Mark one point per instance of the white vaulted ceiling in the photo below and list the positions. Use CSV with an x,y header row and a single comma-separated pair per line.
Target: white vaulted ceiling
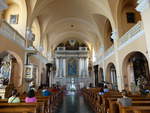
x,y
66,19
60,20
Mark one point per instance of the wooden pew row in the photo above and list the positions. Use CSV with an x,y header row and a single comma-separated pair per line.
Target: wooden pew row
x,y
35,107
100,104
47,104
18,110
135,108
114,107
42,104
97,103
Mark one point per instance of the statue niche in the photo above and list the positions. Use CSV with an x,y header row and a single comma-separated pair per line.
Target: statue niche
x,y
8,74
5,70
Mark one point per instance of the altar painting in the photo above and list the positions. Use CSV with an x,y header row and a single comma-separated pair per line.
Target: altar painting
x,y
72,67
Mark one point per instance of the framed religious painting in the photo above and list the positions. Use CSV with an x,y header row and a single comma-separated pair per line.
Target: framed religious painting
x,y
30,72
14,19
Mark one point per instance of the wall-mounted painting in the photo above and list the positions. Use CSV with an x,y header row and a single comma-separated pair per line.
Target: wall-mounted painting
x,y
14,19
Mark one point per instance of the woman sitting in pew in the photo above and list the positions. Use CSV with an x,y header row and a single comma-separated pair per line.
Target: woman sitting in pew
x,y
14,98
125,101
30,97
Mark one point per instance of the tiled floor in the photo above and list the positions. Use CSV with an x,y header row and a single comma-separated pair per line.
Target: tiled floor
x,y
74,103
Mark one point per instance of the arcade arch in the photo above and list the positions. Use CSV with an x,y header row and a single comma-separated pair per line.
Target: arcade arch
x,y
111,76
135,65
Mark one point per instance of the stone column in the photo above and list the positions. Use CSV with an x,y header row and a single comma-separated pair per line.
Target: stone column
x,y
83,67
80,67
120,82
57,67
61,68
64,65
144,8
87,74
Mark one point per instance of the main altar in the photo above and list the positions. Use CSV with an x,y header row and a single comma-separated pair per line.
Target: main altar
x,y
72,66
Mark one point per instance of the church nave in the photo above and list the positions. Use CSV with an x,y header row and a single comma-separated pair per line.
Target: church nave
x,y
74,103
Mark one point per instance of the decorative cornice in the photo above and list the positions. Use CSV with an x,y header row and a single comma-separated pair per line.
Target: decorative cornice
x,y
41,58
3,5
143,5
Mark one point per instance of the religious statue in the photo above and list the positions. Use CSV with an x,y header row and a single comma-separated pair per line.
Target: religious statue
x,y
141,83
5,70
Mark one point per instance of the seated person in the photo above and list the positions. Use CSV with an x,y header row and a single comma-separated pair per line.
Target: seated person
x,y
32,87
46,92
54,89
14,97
30,97
125,101
106,89
101,92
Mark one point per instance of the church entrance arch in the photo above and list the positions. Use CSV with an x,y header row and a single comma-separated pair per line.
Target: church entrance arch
x,y
135,67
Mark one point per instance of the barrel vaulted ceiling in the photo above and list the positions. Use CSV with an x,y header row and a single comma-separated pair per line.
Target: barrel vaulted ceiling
x,y
84,20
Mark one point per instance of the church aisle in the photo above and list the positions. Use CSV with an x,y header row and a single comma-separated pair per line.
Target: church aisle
x,y
74,103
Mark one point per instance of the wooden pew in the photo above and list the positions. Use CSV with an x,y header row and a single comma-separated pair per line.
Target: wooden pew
x,y
114,107
101,104
37,106
140,108
44,104
18,110
41,103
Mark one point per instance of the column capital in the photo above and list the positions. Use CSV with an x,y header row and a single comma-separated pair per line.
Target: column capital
x,y
114,35
3,5
143,5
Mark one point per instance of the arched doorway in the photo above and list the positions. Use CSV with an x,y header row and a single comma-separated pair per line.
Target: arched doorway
x,y
112,76
135,66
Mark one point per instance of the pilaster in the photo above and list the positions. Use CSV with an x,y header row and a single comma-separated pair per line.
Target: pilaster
x,y
144,8
115,38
